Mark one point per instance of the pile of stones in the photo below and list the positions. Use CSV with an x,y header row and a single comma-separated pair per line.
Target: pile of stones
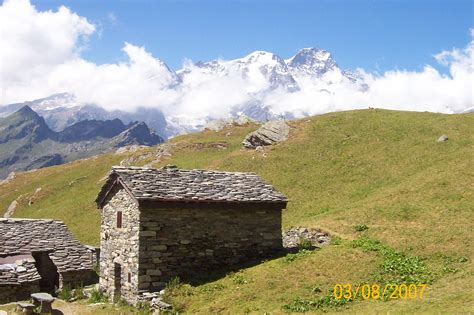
x,y
156,301
294,236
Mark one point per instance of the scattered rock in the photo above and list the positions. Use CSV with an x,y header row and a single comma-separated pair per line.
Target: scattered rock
x,y
11,209
443,138
30,199
9,178
163,150
219,124
157,303
270,133
130,149
243,120
293,236
76,180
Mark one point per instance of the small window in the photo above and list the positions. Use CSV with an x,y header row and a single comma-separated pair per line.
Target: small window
x,y
129,277
119,219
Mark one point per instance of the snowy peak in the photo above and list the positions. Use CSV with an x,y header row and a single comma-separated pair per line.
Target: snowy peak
x,y
60,100
262,58
311,62
260,71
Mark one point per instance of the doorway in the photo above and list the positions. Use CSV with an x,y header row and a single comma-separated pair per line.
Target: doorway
x,y
49,281
117,281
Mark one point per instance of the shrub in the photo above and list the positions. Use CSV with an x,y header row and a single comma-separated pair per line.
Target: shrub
x,y
304,243
174,283
98,296
78,293
65,293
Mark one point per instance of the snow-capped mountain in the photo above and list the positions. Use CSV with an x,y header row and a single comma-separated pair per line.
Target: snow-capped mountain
x,y
254,77
311,62
261,71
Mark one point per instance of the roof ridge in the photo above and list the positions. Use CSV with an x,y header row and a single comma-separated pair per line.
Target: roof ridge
x,y
191,185
167,168
30,219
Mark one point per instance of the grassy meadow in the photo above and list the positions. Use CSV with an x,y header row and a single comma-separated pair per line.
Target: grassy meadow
x,y
398,204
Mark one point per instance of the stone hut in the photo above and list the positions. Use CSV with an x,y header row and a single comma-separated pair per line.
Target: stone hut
x,y
162,223
41,255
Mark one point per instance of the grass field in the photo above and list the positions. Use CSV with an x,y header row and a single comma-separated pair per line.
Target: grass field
x,y
378,168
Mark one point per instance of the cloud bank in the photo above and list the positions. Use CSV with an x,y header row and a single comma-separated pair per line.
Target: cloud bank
x,y
40,54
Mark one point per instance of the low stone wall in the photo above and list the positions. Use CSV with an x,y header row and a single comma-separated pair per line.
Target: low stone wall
x,y
17,292
75,278
18,280
201,238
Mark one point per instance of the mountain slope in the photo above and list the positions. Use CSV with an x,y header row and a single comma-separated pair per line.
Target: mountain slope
x,y
380,168
26,142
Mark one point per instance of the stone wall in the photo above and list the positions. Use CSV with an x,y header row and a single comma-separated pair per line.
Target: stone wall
x,y
18,280
119,246
198,239
18,291
77,278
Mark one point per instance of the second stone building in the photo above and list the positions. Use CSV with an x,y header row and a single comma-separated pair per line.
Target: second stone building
x,y
162,223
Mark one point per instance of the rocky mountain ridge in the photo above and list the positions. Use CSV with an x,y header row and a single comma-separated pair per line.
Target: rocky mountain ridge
x,y
26,141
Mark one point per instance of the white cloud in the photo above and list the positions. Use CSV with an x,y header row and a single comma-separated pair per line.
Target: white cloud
x,y
40,54
35,42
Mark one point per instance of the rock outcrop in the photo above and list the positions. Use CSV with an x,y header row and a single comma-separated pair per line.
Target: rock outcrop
x,y
443,138
27,143
270,133
293,237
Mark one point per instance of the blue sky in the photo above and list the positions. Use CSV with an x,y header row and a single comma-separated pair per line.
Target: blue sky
x,y
374,35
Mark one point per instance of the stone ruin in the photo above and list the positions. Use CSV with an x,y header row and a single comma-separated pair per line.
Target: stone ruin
x,y
293,237
41,255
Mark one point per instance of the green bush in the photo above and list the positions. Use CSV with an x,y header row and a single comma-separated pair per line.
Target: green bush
x,y
304,243
174,283
98,296
65,293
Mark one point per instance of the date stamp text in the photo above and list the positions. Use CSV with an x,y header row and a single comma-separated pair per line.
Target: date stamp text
x,y
379,292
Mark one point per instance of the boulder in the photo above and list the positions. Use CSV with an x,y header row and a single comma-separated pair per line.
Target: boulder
x,y
11,209
442,138
268,134
218,124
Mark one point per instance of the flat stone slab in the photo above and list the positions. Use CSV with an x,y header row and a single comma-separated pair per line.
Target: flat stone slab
x,y
23,307
42,297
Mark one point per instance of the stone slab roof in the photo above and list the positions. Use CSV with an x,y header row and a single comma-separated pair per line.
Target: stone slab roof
x,y
172,184
25,236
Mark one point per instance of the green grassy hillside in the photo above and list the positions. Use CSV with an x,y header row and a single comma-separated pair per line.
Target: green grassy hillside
x,y
383,169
